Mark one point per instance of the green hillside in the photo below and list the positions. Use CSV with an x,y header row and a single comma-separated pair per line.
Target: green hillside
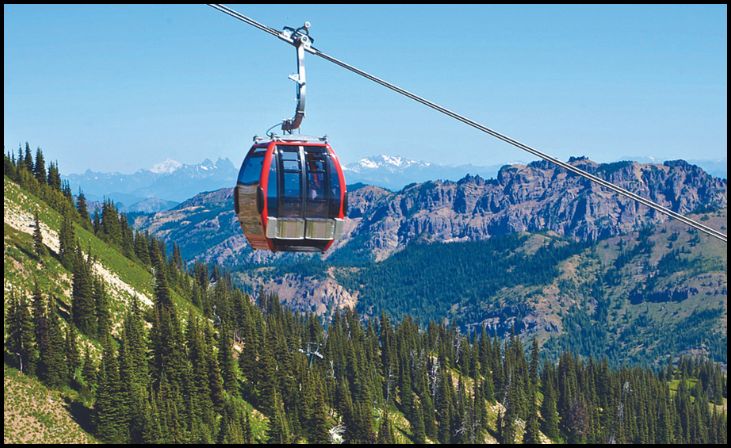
x,y
35,413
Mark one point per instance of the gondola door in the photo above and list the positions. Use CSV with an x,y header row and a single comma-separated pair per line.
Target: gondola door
x,y
291,219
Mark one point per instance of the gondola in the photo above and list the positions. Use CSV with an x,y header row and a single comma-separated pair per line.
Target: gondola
x,y
290,194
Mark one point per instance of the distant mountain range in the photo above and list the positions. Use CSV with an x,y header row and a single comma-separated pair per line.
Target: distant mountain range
x,y
714,167
159,188
170,182
395,172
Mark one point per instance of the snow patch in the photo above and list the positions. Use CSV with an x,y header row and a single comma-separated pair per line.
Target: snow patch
x,y
166,167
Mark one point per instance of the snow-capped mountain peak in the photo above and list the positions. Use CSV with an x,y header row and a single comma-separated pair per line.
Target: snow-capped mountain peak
x,y
384,161
167,166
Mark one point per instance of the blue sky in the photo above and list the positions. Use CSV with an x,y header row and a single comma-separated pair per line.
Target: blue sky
x,y
118,88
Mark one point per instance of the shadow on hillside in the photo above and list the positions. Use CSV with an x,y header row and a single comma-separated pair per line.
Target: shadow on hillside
x,y
81,415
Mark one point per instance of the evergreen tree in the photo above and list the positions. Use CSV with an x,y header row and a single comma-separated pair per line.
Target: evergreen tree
x,y
72,354
141,248
549,411
215,382
101,306
20,340
266,376
533,369
40,317
507,431
177,258
54,176
166,339
279,432
39,169
89,370
83,305
28,159
111,228
228,372
96,223
444,404
81,207
109,410
418,425
319,428
531,435
38,246
133,370
54,371
200,393
232,430
67,243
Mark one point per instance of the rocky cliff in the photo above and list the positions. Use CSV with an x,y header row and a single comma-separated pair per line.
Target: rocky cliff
x,y
535,197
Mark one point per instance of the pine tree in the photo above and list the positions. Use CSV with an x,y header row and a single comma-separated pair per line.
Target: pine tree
x,y
83,210
177,258
53,359
96,223
20,340
101,306
83,306
109,410
28,159
167,343
38,246
54,176
444,404
215,382
72,354
67,243
89,370
279,432
225,360
533,369
231,431
549,411
10,169
66,190
507,432
531,435
200,393
319,427
111,228
133,369
39,169
266,387
418,425
40,318
141,248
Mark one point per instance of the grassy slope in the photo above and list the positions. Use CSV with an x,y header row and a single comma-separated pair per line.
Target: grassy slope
x,y
34,414
18,201
27,401
634,332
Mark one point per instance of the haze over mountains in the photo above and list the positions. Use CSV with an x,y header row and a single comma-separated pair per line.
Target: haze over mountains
x,y
170,182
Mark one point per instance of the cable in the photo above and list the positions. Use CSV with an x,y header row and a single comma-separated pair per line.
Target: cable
x,y
653,205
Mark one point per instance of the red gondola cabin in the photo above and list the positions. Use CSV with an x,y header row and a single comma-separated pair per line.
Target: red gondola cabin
x,y
290,195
